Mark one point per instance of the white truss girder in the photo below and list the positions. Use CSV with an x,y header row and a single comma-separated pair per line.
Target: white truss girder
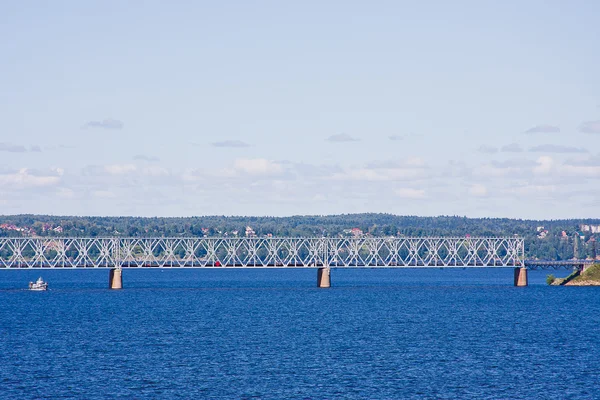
x,y
261,252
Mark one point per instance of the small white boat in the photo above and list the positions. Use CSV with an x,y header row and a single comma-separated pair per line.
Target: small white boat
x,y
38,285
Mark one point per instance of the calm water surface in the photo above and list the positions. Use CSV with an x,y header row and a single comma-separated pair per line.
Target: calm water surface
x,y
271,334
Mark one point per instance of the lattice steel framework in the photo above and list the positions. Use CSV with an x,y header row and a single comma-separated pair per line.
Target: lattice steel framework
x,y
565,264
261,252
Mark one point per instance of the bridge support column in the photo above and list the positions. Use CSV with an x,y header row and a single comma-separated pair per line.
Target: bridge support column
x,y
521,276
115,280
323,277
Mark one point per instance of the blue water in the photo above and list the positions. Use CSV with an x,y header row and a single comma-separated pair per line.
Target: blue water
x,y
271,334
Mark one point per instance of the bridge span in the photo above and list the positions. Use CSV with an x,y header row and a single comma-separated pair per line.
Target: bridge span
x,y
118,253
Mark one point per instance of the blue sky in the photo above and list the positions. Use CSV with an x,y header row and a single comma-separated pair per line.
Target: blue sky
x,y
282,108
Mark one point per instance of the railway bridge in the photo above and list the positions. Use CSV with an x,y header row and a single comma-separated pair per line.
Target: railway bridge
x,y
321,253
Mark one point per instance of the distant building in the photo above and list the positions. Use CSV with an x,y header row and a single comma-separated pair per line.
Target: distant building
x,y
250,232
356,232
590,228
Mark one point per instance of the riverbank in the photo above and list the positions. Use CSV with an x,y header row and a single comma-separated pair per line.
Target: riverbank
x,y
590,277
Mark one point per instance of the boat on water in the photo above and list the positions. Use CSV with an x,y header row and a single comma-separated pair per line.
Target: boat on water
x,y
38,285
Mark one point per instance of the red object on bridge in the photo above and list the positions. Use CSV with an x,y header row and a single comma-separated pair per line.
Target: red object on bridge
x,y
217,263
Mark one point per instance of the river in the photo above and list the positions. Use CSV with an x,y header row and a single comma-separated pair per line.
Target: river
x,y
256,333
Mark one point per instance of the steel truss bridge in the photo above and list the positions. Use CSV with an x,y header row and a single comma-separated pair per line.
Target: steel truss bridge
x,y
195,252
566,264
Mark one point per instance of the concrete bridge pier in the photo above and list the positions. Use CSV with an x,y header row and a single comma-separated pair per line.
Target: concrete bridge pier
x,y
115,280
323,277
521,276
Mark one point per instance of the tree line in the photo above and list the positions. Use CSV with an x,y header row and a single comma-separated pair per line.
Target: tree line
x,y
544,239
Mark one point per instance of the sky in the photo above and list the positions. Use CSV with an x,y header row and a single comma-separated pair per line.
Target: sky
x,y
183,108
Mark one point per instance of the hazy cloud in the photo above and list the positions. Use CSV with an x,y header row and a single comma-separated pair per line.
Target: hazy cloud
x,y
105,124
585,162
316,171
379,171
142,157
341,137
12,148
496,171
257,166
590,127
396,137
65,193
581,171
411,162
478,191
119,169
543,129
553,148
230,143
155,171
488,149
35,148
54,171
532,190
410,193
104,194
513,163
511,148
545,165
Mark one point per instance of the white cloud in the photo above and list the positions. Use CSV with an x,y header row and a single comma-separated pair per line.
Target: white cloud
x,y
27,178
496,171
65,193
478,190
120,169
589,171
410,193
257,166
409,169
528,190
58,171
545,165
379,174
155,171
414,162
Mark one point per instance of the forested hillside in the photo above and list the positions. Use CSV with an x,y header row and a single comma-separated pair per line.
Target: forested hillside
x,y
554,239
